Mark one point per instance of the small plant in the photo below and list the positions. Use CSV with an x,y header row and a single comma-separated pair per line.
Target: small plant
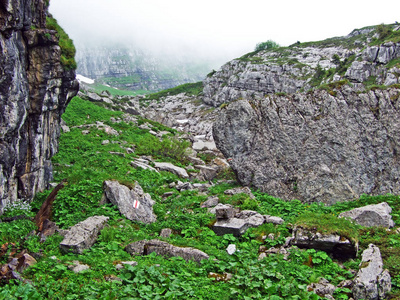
x,y
268,45
383,31
18,207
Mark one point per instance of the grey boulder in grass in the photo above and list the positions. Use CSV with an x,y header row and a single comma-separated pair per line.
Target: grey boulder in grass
x,y
133,203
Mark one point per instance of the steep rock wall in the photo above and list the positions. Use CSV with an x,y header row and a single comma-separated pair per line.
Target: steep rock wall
x,y
316,146
34,92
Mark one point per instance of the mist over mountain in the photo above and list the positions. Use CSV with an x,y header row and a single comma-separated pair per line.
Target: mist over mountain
x,y
195,38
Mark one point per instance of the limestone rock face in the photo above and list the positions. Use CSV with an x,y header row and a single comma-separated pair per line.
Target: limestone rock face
x,y
267,72
371,215
34,92
315,146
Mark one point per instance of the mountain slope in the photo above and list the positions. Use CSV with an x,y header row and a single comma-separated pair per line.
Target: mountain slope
x,y
131,68
364,57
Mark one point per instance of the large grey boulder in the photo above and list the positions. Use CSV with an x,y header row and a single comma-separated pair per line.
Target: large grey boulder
x,y
125,199
83,235
163,166
146,247
314,146
335,244
371,215
372,282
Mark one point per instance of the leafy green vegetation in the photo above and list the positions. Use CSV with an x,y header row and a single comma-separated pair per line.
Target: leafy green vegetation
x,y
85,163
66,44
270,44
98,88
188,88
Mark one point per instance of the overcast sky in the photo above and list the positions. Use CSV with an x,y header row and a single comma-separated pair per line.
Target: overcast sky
x,y
223,28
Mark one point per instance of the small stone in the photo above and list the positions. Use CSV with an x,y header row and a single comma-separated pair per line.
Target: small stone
x,y
224,212
231,249
211,202
166,232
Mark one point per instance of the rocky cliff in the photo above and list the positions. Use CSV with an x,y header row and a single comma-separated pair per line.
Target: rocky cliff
x,y
131,68
358,57
35,89
314,121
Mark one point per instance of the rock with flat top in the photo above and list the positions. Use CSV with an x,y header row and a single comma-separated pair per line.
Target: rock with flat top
x,y
83,235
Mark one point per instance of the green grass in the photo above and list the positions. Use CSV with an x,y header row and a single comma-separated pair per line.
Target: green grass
x,y
85,163
98,88
66,44
188,88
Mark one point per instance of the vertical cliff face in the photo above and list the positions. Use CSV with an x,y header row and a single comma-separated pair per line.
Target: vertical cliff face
x,y
316,147
34,92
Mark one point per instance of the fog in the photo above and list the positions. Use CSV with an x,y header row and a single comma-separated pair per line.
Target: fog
x,y
217,29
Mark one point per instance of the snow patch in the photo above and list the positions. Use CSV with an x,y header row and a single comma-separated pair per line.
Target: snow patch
x,y
84,79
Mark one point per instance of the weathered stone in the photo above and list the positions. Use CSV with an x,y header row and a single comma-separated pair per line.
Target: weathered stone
x,y
171,168
273,220
234,226
25,261
231,249
208,173
166,232
195,160
94,97
124,198
138,164
213,210
253,218
83,235
337,245
371,281
77,267
203,145
184,186
237,225
165,249
314,146
239,190
224,212
322,288
371,215
202,187
211,202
